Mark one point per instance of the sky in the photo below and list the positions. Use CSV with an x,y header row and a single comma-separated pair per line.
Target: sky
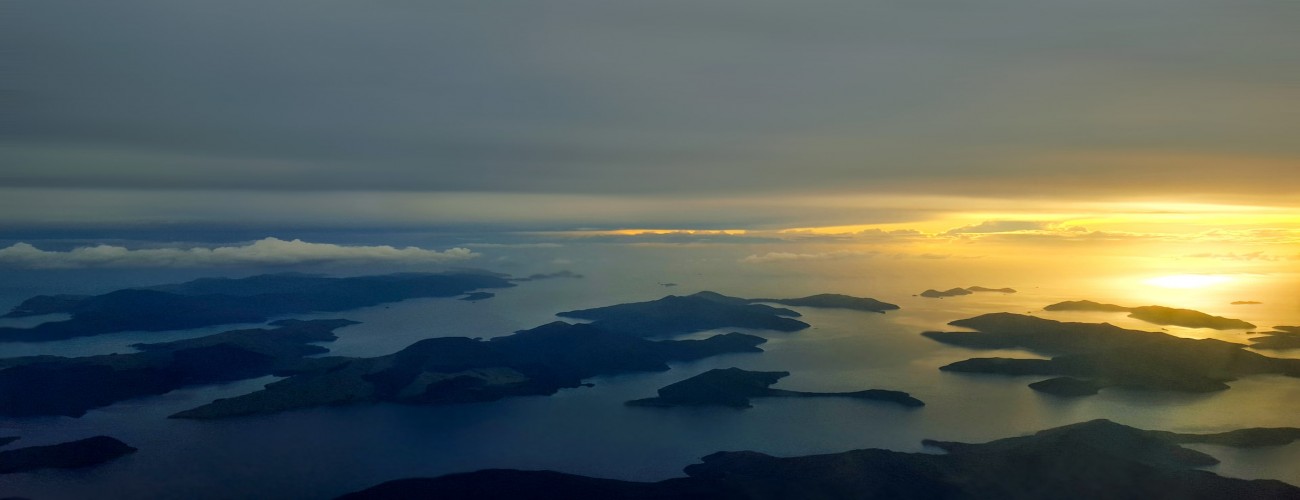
x,y
244,123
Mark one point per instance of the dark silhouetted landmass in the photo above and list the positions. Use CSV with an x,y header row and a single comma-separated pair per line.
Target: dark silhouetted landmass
x,y
539,361
734,387
217,301
1085,461
81,453
53,385
675,315
477,296
1284,337
1085,305
1241,438
1159,315
951,292
1186,317
1067,386
957,292
985,289
1105,355
834,301
4,440
1245,302
41,305
546,276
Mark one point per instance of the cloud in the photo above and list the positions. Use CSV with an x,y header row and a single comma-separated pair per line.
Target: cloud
x,y
771,257
1001,226
1261,256
268,251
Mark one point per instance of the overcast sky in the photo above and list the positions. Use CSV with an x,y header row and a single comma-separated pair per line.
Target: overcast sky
x,y
602,113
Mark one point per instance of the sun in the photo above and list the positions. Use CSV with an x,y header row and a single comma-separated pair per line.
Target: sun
x,y
1187,280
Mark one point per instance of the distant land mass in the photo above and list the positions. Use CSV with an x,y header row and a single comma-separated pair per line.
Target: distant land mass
x,y
834,301
74,454
1284,337
1245,302
546,276
734,387
951,292
539,361
675,315
956,292
218,301
1159,315
1095,356
1084,461
54,385
477,296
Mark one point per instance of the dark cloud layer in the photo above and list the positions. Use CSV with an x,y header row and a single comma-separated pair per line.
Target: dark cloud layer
x,y
657,99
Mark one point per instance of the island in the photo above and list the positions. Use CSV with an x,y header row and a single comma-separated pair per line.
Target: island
x,y
734,387
1159,315
218,301
1094,356
74,454
676,315
1084,461
957,292
477,296
951,292
834,301
546,276
1283,337
448,370
54,385
1245,302
986,289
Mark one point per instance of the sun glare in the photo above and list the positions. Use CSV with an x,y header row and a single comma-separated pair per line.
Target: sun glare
x,y
1187,280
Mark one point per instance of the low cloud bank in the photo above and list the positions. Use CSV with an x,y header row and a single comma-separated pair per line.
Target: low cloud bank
x,y
791,257
267,251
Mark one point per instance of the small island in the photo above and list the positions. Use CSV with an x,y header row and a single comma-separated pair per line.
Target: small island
x,y
219,301
957,292
1159,315
75,454
1084,461
734,387
477,296
450,370
1089,356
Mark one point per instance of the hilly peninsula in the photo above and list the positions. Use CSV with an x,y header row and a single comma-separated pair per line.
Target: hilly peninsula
x,y
1159,315
73,454
449,370
218,301
1089,356
1085,461
734,387
54,385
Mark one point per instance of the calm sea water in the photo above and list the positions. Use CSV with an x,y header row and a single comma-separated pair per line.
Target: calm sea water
x,y
320,453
